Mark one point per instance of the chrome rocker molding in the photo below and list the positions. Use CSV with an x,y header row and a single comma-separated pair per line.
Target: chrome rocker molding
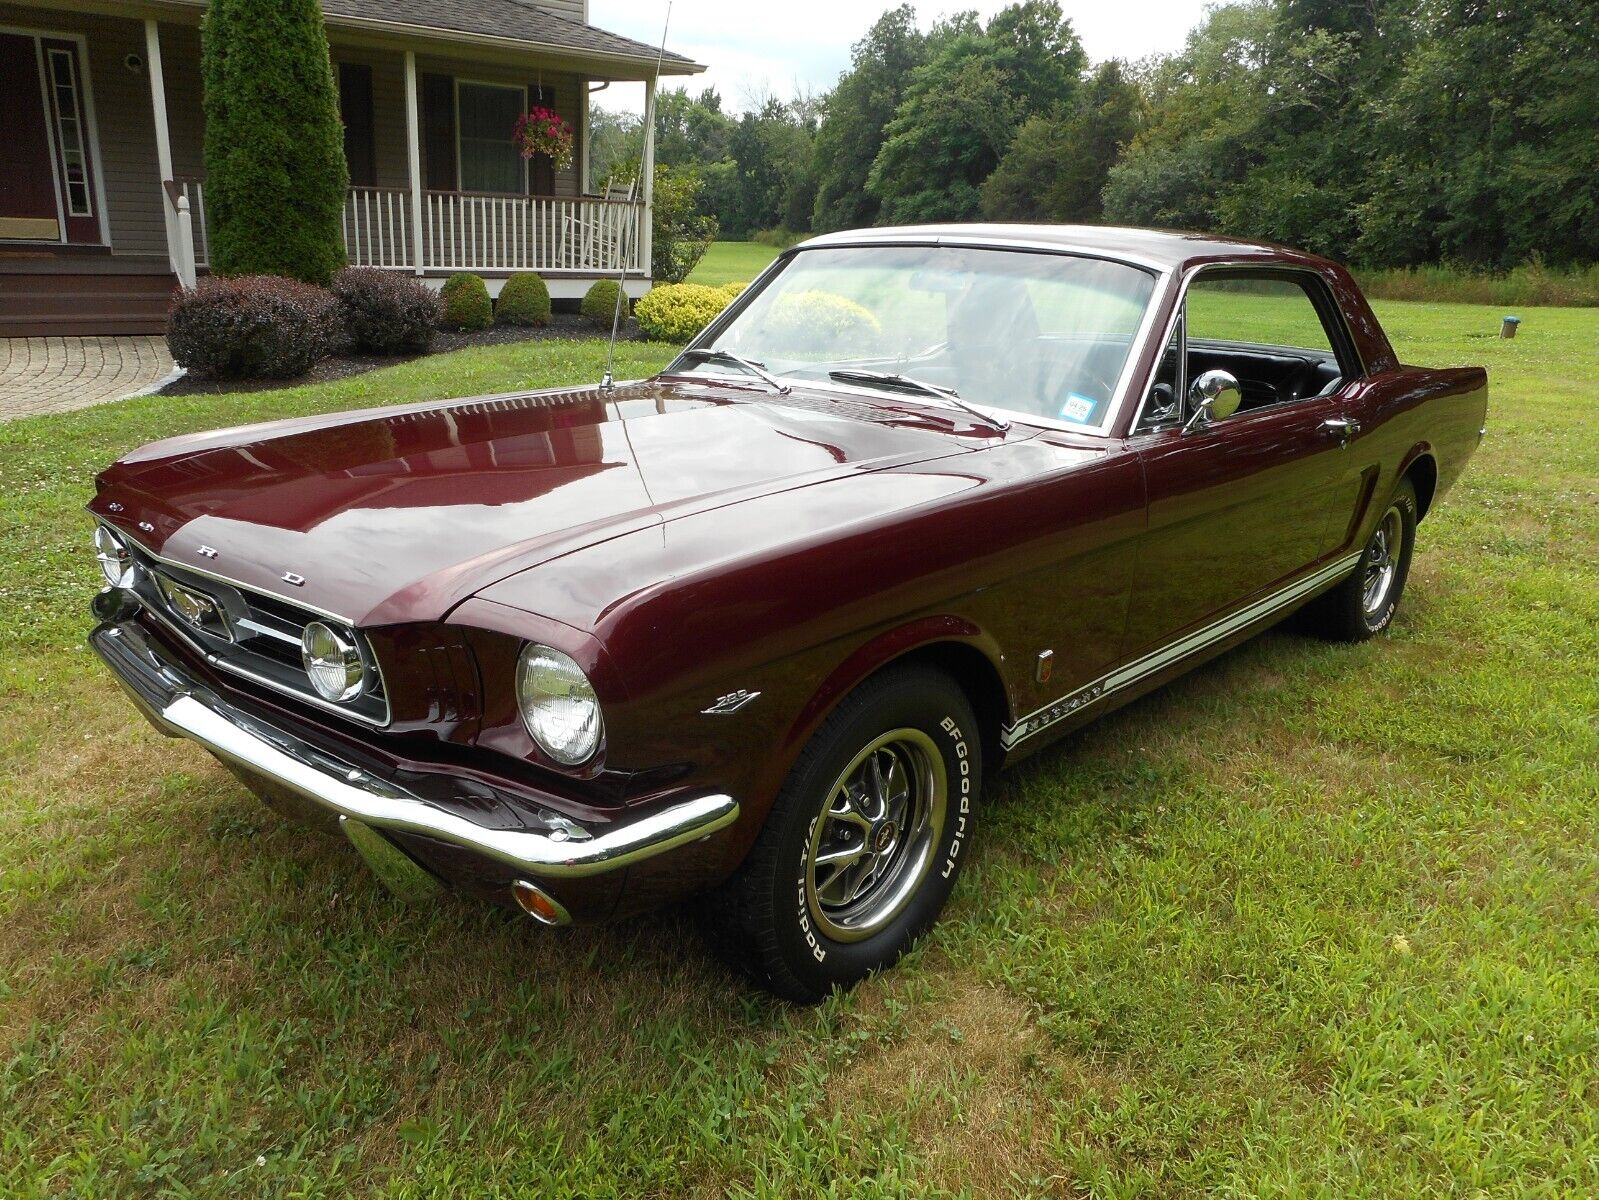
x,y
181,707
1158,660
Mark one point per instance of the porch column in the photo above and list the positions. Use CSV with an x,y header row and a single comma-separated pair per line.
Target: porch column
x,y
180,235
413,155
647,234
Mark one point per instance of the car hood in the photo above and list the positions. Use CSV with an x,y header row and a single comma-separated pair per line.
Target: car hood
x,y
399,514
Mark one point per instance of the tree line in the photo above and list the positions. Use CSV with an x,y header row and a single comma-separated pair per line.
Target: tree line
x,y
1388,133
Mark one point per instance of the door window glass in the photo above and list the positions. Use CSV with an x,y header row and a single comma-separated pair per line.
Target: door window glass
x,y
1255,312
1266,332
70,134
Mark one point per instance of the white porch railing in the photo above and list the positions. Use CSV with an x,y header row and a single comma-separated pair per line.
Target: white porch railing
x,y
472,232
377,227
468,232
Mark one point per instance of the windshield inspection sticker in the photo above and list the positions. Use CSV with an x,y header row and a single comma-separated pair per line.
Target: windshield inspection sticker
x,y
1078,408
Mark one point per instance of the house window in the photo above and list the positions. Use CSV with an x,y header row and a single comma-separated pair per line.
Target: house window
x,y
486,116
69,132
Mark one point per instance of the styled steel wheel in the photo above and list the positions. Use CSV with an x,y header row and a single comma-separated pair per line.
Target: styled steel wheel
x,y
1381,564
1363,605
874,841
864,842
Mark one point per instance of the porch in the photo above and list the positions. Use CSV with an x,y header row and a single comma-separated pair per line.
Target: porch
x,y
571,241
104,190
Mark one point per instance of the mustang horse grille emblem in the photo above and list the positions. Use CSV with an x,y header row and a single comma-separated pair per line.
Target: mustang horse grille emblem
x,y
729,704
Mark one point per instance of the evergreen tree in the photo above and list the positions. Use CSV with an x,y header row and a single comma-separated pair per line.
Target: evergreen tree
x,y
276,177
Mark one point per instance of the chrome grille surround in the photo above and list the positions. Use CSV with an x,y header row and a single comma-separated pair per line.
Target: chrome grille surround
x,y
266,630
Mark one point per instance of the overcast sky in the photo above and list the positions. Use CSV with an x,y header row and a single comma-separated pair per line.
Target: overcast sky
x,y
757,46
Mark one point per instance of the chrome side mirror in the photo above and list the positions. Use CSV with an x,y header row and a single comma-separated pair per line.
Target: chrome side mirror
x,y
1215,396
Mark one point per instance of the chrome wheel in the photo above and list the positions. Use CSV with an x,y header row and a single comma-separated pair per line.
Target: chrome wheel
x,y
873,843
1381,564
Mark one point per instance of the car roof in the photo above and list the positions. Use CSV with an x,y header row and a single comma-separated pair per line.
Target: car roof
x,y
1163,249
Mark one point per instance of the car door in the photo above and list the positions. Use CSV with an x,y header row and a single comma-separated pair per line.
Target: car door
x,y
1240,506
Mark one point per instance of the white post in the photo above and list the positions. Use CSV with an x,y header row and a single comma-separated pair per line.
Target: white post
x,y
187,275
413,148
647,234
163,140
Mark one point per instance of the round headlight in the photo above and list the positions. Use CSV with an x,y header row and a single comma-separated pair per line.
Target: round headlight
x,y
116,561
333,662
558,705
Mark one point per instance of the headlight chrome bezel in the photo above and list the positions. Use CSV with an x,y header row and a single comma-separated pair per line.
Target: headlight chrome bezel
x,y
116,559
333,662
547,680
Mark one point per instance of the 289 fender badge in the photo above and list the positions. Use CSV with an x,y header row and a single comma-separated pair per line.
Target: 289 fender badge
x,y
730,703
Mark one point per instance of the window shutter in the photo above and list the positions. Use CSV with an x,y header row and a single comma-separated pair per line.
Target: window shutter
x,y
541,168
438,132
356,110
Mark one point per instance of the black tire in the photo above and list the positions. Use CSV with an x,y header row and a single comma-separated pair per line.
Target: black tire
x,y
1351,612
791,923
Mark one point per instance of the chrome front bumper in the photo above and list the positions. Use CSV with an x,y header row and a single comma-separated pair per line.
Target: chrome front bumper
x,y
180,706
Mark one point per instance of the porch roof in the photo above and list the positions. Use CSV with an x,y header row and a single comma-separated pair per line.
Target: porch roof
x,y
502,24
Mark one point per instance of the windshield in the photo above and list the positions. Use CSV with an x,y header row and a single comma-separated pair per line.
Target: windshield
x,y
1043,335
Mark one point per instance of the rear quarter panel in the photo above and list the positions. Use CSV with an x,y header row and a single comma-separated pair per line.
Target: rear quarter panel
x,y
1409,413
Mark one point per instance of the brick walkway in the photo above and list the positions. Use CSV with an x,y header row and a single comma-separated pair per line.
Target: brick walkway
x,y
58,374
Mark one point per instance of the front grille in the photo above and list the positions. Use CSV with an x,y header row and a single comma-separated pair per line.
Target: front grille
x,y
252,635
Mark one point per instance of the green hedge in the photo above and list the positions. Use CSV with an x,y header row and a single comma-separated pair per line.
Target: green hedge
x,y
525,300
467,306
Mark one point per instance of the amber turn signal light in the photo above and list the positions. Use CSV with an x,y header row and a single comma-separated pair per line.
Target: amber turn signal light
x,y
539,904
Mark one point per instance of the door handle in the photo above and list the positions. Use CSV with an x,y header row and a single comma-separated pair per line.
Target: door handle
x,y
1341,428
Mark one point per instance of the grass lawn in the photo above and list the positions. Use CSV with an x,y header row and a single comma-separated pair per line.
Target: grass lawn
x,y
1315,921
732,262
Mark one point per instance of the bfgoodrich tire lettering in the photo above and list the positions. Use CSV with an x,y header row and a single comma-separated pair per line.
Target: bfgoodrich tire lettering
x,y
865,841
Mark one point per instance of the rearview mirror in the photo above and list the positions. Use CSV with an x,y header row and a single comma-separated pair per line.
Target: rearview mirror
x,y
1215,396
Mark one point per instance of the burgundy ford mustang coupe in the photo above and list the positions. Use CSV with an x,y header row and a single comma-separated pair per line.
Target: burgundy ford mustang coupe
x,y
919,503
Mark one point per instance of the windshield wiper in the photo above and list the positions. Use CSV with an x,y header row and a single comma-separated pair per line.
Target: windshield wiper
x,y
918,385
749,364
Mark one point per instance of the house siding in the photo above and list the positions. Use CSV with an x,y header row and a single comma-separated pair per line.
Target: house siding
x,y
577,10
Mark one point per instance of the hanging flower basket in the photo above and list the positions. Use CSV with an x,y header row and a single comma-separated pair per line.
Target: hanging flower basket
x,y
542,131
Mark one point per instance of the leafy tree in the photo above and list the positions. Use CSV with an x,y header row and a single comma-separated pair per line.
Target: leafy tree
x,y
1056,167
275,170
856,114
681,233
964,105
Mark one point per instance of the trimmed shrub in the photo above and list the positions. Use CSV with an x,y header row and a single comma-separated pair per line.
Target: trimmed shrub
x,y
525,300
386,313
599,303
809,323
466,303
678,311
253,327
274,144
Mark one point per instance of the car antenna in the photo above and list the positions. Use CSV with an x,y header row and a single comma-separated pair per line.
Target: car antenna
x,y
608,383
